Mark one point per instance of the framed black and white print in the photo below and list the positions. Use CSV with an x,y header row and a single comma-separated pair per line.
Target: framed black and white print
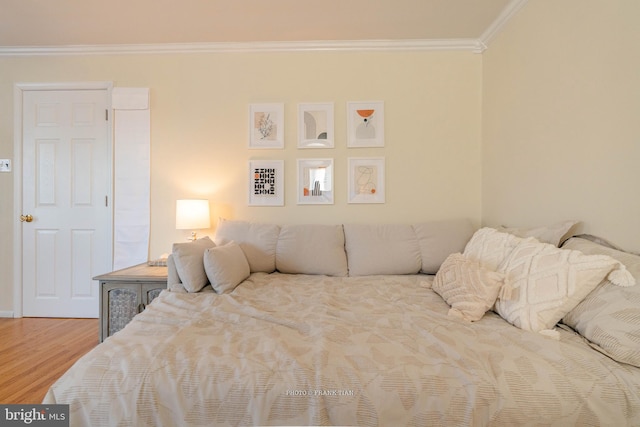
x,y
315,125
365,124
266,126
266,183
366,180
315,181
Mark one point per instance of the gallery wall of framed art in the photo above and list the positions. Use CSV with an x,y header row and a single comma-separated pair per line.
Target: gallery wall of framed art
x,y
314,183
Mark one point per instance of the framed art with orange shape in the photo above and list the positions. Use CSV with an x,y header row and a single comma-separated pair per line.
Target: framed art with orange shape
x,y
365,124
266,183
315,182
366,180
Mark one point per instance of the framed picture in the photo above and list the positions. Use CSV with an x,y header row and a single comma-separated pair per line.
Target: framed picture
x,y
266,126
366,180
315,181
266,183
315,125
365,124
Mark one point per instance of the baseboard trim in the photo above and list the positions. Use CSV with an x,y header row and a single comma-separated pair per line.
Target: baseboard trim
x,y
6,313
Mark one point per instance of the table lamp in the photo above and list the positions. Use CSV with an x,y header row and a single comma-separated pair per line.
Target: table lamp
x,y
192,214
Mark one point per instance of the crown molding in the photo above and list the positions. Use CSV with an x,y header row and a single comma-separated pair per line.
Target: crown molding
x,y
472,45
507,13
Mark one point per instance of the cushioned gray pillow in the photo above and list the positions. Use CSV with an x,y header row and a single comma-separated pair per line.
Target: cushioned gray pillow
x,y
439,239
189,264
553,234
311,249
381,249
226,267
258,242
609,317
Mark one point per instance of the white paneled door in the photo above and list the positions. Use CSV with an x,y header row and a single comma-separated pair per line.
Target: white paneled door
x,y
66,214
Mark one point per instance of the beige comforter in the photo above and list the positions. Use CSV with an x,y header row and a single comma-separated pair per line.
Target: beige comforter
x,y
294,349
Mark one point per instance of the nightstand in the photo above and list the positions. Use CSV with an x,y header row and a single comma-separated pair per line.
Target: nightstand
x,y
125,293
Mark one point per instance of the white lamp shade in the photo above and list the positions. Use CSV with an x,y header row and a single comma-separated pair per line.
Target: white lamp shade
x,y
192,214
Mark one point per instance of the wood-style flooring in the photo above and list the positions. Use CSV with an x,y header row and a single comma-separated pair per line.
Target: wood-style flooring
x,y
35,352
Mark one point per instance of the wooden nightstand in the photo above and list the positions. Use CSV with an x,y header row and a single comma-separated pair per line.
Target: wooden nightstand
x,y
125,293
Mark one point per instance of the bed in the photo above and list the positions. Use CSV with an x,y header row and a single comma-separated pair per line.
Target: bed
x,y
368,336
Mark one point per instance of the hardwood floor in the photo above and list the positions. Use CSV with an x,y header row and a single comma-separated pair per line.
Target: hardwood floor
x,y
35,352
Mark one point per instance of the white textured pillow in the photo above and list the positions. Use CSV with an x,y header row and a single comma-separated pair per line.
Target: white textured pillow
x,y
226,267
548,282
470,289
609,316
189,265
258,242
311,249
439,239
490,247
553,234
381,249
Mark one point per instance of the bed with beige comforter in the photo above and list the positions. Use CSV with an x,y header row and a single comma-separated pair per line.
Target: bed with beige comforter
x,y
287,349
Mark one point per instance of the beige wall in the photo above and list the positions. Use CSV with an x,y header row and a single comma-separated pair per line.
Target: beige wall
x,y
555,101
199,113
561,118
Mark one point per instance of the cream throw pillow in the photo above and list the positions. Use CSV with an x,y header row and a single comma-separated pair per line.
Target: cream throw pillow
x,y
547,282
226,267
470,289
490,247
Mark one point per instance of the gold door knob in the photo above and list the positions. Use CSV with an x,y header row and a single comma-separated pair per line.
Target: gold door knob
x,y
26,218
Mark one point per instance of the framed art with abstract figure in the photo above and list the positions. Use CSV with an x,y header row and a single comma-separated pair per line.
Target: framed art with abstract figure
x,y
266,126
366,180
315,125
315,181
266,183
365,124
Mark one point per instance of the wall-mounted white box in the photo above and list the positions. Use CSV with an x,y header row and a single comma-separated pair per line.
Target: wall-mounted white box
x,y
5,165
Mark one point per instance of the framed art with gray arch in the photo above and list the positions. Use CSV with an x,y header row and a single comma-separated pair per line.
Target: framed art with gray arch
x,y
315,125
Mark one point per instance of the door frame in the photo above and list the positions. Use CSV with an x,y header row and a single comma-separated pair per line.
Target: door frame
x,y
18,91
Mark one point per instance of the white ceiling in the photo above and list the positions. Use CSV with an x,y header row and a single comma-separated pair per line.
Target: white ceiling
x,y
57,23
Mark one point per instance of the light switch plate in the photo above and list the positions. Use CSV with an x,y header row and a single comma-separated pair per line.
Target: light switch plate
x,y
5,165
